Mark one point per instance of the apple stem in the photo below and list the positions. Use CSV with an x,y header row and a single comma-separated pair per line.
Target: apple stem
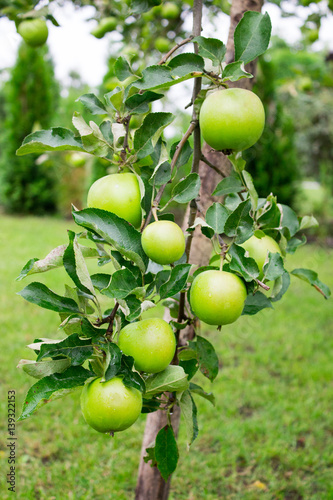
x,y
155,213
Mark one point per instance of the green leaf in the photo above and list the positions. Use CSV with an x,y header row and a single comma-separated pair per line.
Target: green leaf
x,y
239,224
166,452
228,185
76,267
43,368
270,217
274,267
122,69
211,48
289,221
92,104
159,77
196,389
187,189
89,331
53,260
216,217
252,190
139,103
172,379
280,287
52,387
177,281
311,277
294,243
207,358
114,366
123,283
245,266
116,231
189,412
255,303
186,63
308,221
206,229
72,347
162,175
130,377
235,71
184,155
39,294
100,280
146,137
252,35
55,139
150,456
92,138
190,367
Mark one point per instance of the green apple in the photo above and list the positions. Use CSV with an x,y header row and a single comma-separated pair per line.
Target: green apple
x,y
217,297
232,119
104,26
33,31
162,44
163,241
110,406
170,10
119,194
151,342
258,249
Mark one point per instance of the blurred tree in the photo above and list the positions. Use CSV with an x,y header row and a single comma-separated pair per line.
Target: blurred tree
x,y
28,186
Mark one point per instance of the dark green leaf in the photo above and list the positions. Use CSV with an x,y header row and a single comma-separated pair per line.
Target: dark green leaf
x,y
75,265
122,69
255,303
116,231
92,104
311,277
252,190
280,287
55,139
89,331
235,71
289,221
139,103
252,35
172,379
190,367
52,387
130,378
216,217
39,294
72,347
150,455
196,389
176,282
228,185
246,266
187,189
162,174
189,412
166,452
114,363
294,243
211,48
271,216
239,223
123,282
207,358
147,135
184,156
274,267
185,63
100,280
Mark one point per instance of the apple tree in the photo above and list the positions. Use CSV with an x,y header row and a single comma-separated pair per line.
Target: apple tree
x,y
126,365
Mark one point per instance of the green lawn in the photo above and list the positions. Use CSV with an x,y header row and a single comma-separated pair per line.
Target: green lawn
x,y
269,436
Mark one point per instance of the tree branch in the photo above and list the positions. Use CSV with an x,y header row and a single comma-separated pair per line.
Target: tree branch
x,y
176,47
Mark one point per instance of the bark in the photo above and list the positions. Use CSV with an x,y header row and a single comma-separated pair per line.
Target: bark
x,y
150,485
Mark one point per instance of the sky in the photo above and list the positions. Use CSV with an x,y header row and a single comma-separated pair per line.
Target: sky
x,y
74,48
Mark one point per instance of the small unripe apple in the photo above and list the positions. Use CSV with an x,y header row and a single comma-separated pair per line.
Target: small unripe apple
x,y
163,241
151,342
217,297
110,406
162,44
170,10
232,119
33,31
104,26
119,194
258,249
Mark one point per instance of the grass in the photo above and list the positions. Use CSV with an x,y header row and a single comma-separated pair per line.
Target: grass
x,y
269,436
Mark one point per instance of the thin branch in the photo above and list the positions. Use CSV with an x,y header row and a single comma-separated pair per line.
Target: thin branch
x,y
265,287
176,47
217,170
109,319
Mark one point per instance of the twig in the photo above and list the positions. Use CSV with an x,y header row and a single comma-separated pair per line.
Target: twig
x,y
109,319
260,283
205,160
176,47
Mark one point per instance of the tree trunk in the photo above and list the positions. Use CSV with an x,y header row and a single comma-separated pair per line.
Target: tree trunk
x,y
150,485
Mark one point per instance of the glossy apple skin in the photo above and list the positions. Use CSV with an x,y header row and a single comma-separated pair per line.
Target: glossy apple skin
x,y
217,297
232,119
119,194
33,31
110,406
151,342
163,241
258,249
